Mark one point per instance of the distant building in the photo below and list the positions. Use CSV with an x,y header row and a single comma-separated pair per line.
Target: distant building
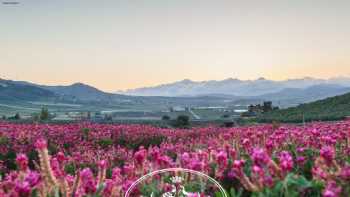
x,y
254,110
267,106
62,117
177,109
79,115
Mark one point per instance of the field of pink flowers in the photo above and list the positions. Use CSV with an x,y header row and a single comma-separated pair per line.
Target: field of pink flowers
x,y
88,159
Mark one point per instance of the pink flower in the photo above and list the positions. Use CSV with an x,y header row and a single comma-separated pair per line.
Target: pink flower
x,y
221,159
286,161
257,170
23,188
56,167
140,156
332,190
260,157
268,181
327,153
88,181
238,167
102,164
33,178
301,160
193,195
318,172
116,175
233,154
40,144
245,142
238,164
61,157
22,162
345,173
196,165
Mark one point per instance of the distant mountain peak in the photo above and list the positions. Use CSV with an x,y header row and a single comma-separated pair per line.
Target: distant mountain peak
x,y
261,79
231,79
80,84
186,81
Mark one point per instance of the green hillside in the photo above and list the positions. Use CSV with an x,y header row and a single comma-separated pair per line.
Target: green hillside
x,y
10,91
333,108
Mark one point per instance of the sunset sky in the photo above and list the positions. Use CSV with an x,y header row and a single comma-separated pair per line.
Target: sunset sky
x,y
117,45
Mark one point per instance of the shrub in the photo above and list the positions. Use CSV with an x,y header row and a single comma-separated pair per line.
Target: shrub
x,y
182,121
44,114
105,143
165,117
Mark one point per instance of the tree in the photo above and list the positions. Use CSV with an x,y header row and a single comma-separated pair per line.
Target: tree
x,y
182,121
229,124
17,116
44,114
165,117
4,117
225,116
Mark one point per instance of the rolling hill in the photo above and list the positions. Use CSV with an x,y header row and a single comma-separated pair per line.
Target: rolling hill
x,y
83,92
333,108
10,91
294,96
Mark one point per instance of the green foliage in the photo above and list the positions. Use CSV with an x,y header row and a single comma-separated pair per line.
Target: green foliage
x,y
70,168
105,143
229,124
4,140
15,117
225,116
32,157
67,145
44,114
165,117
85,132
330,109
143,140
182,121
9,160
293,186
35,193
234,193
52,147
148,189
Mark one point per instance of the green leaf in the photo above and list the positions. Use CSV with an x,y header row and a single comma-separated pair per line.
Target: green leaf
x,y
34,193
99,189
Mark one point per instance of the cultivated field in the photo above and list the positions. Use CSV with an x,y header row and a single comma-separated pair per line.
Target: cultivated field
x,y
104,160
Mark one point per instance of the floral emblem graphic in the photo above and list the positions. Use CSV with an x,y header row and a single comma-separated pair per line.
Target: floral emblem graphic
x,y
175,182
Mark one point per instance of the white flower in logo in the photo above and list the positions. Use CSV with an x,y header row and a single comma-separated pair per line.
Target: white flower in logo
x,y
177,184
176,179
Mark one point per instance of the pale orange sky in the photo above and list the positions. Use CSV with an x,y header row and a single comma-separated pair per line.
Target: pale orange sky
x,y
126,44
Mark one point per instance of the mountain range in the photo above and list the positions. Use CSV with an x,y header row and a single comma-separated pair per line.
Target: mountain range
x,y
237,87
227,92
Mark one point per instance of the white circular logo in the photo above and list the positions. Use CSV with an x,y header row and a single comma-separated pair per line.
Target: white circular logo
x,y
175,182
